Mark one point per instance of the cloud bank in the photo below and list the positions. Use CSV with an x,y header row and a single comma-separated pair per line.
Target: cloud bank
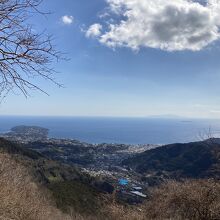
x,y
67,19
170,25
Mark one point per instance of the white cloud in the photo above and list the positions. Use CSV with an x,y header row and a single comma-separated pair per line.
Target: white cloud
x,y
171,25
67,19
94,30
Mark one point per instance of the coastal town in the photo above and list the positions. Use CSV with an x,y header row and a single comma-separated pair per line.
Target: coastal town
x,y
98,160
95,157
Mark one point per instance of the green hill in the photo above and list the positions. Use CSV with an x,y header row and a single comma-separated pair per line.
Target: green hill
x,y
190,160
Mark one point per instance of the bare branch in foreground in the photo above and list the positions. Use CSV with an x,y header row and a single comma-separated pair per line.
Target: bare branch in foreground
x,y
24,54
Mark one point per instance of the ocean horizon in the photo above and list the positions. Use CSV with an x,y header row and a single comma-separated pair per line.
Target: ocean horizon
x,y
119,130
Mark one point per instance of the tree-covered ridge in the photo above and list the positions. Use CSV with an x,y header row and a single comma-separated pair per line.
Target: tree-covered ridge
x,y
190,160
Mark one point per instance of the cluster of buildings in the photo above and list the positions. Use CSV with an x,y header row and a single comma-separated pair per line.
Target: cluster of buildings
x,y
130,191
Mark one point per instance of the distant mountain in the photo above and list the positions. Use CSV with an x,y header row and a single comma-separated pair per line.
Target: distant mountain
x,y
167,116
190,160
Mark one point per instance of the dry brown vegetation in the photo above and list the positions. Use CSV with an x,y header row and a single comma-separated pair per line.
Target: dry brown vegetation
x,y
23,199
119,212
191,199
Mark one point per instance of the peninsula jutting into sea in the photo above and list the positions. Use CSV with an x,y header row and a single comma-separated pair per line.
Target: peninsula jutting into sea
x,y
103,160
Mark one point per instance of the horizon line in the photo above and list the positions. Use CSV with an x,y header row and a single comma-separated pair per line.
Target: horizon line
x,y
109,116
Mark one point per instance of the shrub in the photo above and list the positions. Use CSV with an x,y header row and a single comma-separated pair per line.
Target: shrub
x,y
191,199
21,197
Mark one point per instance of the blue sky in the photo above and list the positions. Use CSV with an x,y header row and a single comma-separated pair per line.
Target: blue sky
x,y
125,74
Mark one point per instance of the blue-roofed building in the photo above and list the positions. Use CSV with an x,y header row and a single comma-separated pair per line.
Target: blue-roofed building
x,y
123,182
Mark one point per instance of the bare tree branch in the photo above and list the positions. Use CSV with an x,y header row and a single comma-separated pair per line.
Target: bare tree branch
x,y
24,54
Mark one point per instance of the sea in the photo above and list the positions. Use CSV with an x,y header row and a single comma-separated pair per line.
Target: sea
x,y
120,130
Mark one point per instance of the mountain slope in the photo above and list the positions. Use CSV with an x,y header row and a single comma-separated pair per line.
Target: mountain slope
x,y
21,197
191,160
69,186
